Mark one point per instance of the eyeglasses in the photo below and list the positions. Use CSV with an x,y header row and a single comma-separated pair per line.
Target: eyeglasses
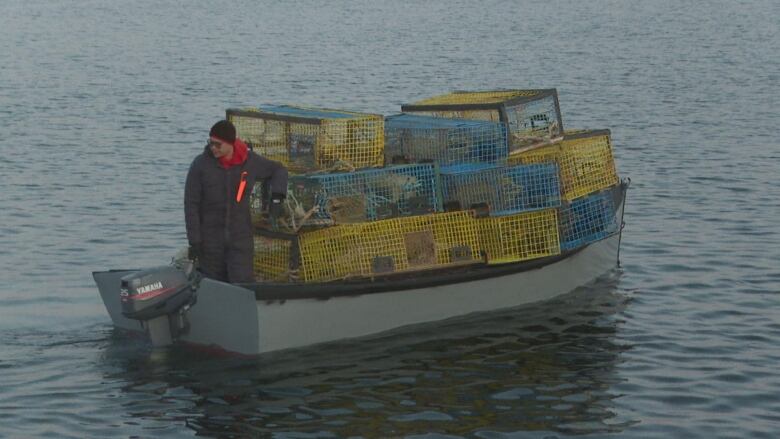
x,y
213,143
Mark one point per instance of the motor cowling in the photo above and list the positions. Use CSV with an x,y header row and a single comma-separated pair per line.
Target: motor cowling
x,y
155,292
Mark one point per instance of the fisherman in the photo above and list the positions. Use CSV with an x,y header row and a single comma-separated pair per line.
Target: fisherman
x,y
216,204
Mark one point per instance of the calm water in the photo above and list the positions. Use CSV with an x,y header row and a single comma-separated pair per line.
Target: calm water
x,y
103,104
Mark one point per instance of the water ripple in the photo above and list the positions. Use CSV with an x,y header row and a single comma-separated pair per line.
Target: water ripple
x,y
680,344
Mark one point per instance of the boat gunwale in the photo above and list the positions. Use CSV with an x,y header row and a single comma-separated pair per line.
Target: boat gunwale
x,y
265,291
276,291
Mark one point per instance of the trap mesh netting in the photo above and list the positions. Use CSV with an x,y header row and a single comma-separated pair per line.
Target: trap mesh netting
x,y
419,139
532,116
366,195
309,139
504,189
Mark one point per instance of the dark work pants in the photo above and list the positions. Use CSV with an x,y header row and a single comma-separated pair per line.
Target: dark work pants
x,y
229,264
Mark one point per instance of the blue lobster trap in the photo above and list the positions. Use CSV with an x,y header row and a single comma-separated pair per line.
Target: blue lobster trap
x,y
502,190
587,219
419,139
533,117
367,195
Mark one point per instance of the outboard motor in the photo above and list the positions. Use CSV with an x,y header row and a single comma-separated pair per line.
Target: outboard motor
x,y
159,297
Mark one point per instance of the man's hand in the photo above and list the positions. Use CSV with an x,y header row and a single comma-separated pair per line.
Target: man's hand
x,y
194,252
276,208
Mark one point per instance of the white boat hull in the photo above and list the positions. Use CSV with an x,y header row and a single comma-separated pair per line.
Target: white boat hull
x,y
301,322
231,318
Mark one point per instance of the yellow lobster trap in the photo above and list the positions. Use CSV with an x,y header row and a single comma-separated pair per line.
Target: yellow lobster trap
x,y
519,237
329,254
274,257
532,116
405,244
584,158
310,139
389,246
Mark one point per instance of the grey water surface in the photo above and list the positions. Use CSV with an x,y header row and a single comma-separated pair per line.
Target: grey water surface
x,y
104,103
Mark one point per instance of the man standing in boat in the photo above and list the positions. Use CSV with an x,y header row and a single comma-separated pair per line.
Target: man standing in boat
x,y
216,203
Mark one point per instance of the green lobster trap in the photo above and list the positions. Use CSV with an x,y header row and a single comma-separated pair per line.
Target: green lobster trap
x,y
309,139
365,195
584,158
275,258
532,117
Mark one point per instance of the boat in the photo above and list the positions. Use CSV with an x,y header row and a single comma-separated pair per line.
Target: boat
x,y
468,202
262,317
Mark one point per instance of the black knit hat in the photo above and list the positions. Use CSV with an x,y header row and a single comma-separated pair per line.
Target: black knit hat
x,y
224,130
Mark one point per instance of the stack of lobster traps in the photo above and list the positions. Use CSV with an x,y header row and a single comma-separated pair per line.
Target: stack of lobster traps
x,y
455,180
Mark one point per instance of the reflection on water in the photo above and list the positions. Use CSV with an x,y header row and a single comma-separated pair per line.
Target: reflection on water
x,y
549,367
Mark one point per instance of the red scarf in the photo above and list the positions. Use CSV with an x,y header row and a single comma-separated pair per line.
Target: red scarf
x,y
240,153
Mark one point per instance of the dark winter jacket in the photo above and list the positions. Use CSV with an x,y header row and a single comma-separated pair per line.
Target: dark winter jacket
x,y
215,221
